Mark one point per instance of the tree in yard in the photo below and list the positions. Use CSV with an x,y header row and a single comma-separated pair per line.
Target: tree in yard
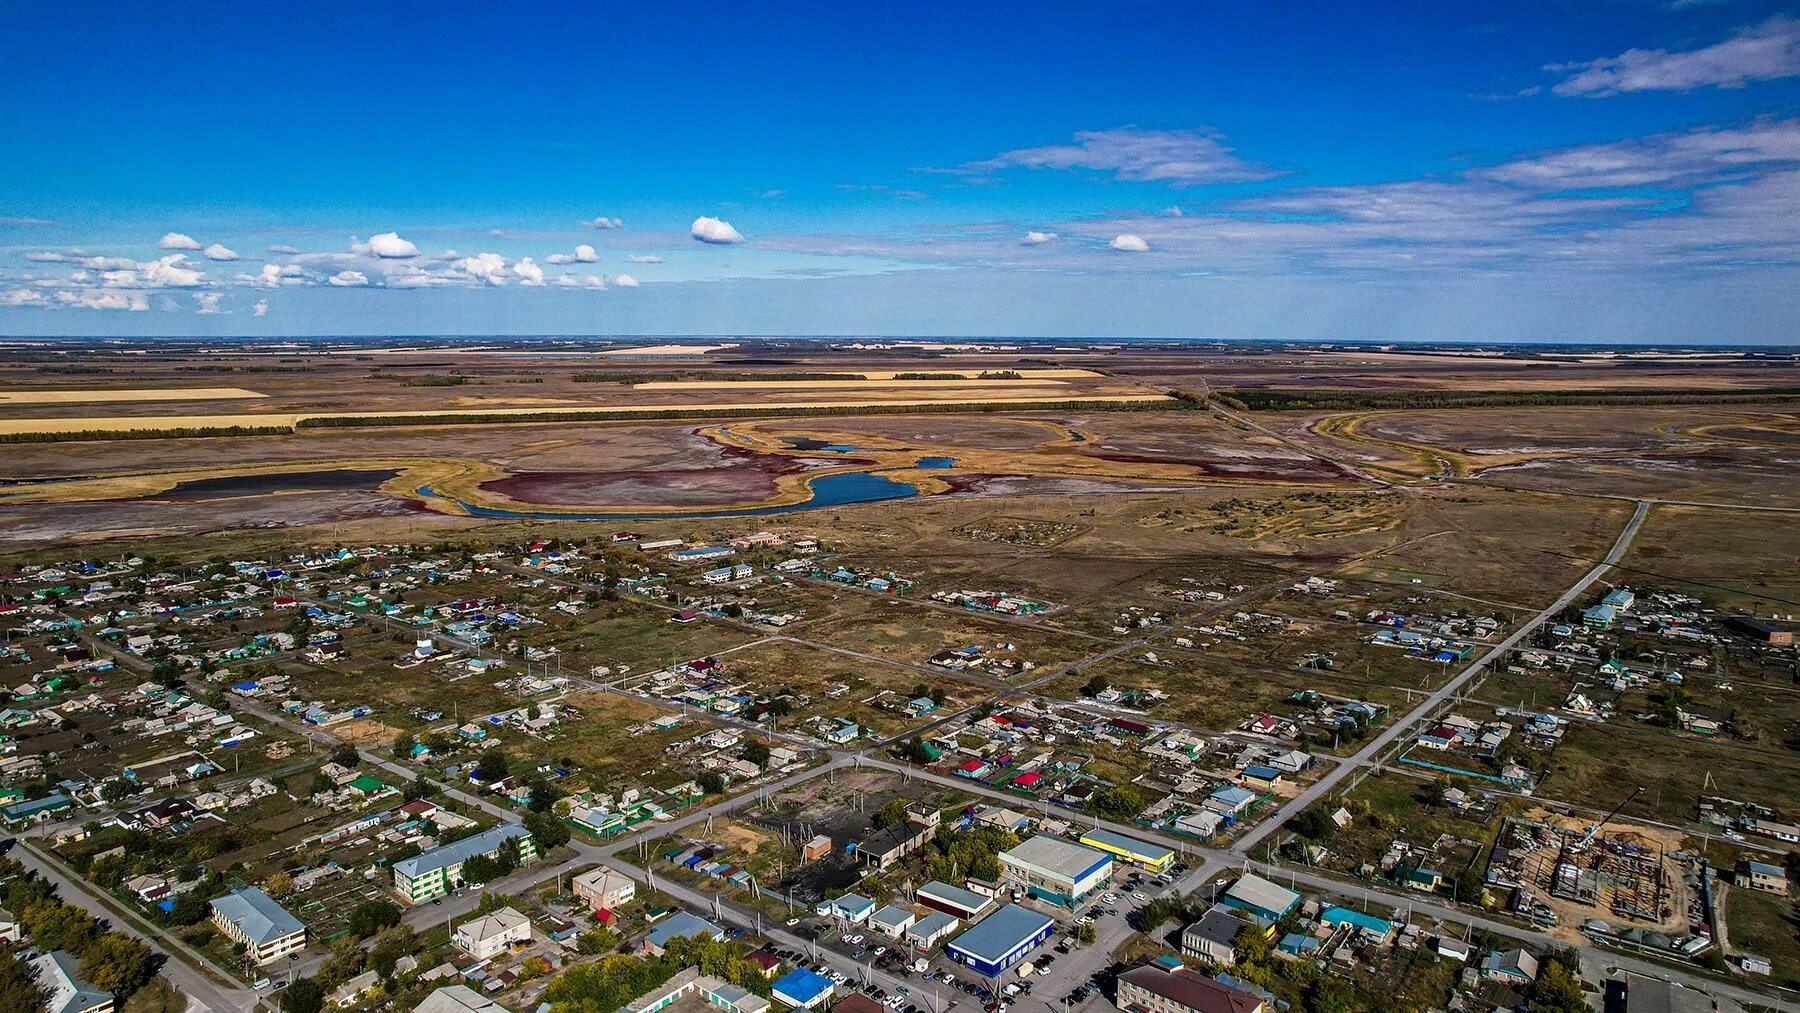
x,y
492,766
1119,803
1084,933
117,789
303,996
54,925
19,987
392,944
118,963
756,752
712,782
279,884
890,815
1314,824
480,869
371,916
345,756
593,942
1096,685
403,744
546,830
985,867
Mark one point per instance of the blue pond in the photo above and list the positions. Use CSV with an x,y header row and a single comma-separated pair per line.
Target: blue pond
x,y
933,463
827,491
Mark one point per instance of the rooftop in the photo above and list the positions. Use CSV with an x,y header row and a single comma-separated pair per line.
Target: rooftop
x,y
1000,933
257,914
459,852
1256,892
1056,855
1192,990
458,999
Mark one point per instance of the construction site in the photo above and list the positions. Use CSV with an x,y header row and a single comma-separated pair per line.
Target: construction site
x,y
1560,872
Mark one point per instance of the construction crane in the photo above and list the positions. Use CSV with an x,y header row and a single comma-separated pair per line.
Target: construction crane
x,y
1594,830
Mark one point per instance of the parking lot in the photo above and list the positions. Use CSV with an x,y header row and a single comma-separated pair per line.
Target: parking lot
x,y
1064,973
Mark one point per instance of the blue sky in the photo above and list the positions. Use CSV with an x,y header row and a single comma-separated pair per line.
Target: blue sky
x,y
1614,170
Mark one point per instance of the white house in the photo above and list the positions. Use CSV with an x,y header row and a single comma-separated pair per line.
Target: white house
x,y
492,933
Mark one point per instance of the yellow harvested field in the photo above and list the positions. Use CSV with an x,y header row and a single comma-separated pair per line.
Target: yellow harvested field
x,y
114,424
838,384
670,349
150,394
970,374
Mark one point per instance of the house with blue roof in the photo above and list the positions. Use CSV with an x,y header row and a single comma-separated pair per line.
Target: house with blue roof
x,y
1230,801
1375,930
801,988
37,810
680,925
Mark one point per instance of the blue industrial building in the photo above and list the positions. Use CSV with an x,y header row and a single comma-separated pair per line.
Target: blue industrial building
x,y
1000,940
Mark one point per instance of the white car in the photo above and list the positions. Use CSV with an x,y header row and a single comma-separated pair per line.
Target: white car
x,y
1135,895
855,940
791,922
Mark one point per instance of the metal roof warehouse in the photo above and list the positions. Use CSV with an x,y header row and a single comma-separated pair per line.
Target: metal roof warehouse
x,y
1001,939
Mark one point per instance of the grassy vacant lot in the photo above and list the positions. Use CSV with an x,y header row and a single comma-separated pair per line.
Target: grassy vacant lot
x,y
629,633
911,634
876,693
1737,560
1598,765
600,743
1767,926
1207,694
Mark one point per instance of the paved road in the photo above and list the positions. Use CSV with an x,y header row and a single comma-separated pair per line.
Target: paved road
x,y
1324,786
181,964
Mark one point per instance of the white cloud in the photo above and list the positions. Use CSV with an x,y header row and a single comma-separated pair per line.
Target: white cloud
x,y
625,281
207,303
47,257
178,241
348,279
714,231
1128,243
283,250
94,299
260,308
643,258
604,222
1178,157
584,254
581,281
387,245
529,272
485,267
1036,238
273,275
171,271
219,251
1173,211
1766,52
109,263
22,297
